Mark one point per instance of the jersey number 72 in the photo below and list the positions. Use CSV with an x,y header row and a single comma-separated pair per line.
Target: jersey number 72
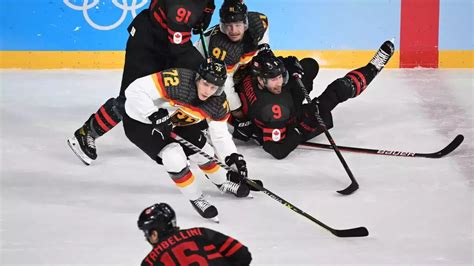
x,y
170,78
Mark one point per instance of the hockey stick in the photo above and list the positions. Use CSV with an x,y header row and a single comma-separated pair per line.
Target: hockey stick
x,y
434,155
204,46
352,232
354,185
209,157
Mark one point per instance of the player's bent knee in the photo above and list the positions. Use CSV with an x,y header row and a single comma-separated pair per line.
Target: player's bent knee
x,y
173,157
199,159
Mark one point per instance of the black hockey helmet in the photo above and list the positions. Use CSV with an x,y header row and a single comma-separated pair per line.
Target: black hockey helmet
x,y
233,11
266,65
160,217
214,71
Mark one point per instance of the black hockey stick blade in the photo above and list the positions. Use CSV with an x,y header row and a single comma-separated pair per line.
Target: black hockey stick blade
x,y
446,150
350,189
353,232
258,182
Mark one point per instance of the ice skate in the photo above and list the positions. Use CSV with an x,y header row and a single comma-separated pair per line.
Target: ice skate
x,y
384,53
238,190
236,186
205,209
83,145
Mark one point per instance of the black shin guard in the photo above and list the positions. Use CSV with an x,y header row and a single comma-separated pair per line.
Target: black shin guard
x,y
107,117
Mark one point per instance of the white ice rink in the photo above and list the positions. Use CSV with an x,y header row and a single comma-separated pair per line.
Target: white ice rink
x,y
57,211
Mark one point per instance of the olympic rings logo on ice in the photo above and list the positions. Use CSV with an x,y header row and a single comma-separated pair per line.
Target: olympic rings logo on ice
x,y
124,6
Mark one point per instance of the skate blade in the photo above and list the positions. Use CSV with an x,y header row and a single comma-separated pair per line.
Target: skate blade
x,y
74,145
214,219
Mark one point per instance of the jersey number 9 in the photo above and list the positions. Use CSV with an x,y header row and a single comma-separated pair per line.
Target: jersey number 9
x,y
276,111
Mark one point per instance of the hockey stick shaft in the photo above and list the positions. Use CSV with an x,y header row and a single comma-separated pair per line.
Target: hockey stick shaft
x,y
354,185
434,155
353,232
204,45
207,156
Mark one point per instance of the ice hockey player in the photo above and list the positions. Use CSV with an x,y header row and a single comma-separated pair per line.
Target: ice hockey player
x,y
159,39
273,101
193,246
235,40
173,100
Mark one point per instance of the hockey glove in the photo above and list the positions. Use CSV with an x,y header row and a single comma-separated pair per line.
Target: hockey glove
x,y
237,162
243,129
161,123
293,66
205,19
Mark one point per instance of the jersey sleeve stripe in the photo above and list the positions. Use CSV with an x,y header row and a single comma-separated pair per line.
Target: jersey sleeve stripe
x,y
234,249
214,256
160,20
244,59
163,15
226,244
209,247
158,80
231,68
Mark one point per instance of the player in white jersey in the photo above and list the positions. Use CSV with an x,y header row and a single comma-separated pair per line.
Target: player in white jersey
x,y
172,101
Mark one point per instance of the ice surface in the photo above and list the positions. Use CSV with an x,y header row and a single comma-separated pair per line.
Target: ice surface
x,y
57,211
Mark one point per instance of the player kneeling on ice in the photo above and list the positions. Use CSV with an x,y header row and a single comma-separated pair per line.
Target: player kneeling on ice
x,y
170,101
193,246
272,98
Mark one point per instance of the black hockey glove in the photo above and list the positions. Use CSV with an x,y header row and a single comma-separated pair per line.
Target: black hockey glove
x,y
161,123
205,19
243,129
293,66
308,122
237,162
